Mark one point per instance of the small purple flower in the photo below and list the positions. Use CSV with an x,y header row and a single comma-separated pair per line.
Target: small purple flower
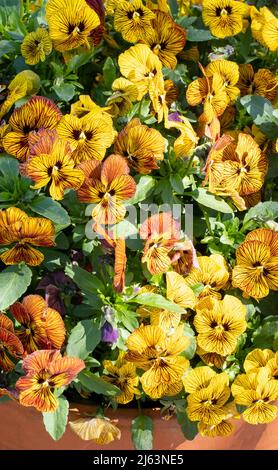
x,y
77,257
55,284
108,333
175,117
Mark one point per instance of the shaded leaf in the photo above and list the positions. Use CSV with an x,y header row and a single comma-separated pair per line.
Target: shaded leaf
x,y
46,207
83,339
95,384
14,281
142,432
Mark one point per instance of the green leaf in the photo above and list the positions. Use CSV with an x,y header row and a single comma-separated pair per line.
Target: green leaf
x,y
95,384
6,47
87,282
173,4
264,115
126,317
46,207
177,184
186,21
189,428
109,72
142,432
198,35
265,336
83,339
202,196
14,281
78,60
145,185
156,300
262,212
64,91
189,352
9,166
56,422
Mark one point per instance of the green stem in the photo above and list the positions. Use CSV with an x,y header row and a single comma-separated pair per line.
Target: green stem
x,y
207,221
21,9
139,406
189,166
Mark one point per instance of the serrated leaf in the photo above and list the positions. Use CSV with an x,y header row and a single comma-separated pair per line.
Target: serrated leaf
x,y
202,196
189,428
14,281
95,384
56,422
46,207
83,339
157,300
142,432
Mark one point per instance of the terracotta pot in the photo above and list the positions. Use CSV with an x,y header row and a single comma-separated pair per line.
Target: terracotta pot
x,y
22,429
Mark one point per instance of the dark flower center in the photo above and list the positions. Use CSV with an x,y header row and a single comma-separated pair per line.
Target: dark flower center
x,y
219,10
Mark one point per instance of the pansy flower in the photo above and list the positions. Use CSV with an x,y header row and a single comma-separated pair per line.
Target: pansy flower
x,y
224,17
229,72
100,430
159,355
209,404
21,231
46,370
122,374
166,39
219,323
89,136
258,394
188,139
133,20
212,272
162,241
142,67
124,94
177,291
256,270
51,162
34,115
36,46
107,185
70,23
41,327
142,146
263,82
10,345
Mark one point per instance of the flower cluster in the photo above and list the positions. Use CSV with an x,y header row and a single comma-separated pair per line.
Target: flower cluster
x,y
138,213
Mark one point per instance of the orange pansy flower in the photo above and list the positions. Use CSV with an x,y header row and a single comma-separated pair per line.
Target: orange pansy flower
x,y
107,185
41,327
17,229
45,371
10,345
34,115
162,235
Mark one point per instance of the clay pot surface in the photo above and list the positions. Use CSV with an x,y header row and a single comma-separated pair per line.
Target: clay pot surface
x,y
22,429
